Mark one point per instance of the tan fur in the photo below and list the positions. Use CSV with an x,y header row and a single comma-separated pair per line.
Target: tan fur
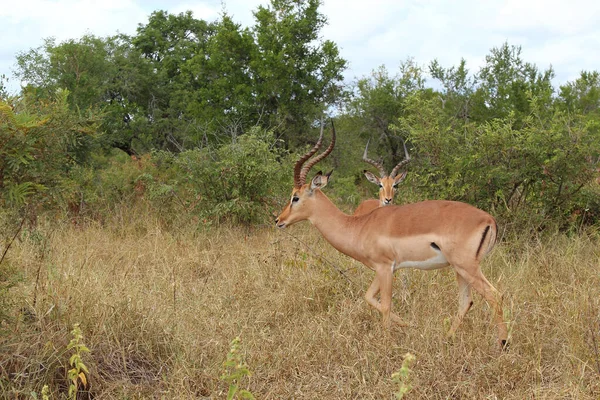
x,y
387,190
387,183
367,206
391,235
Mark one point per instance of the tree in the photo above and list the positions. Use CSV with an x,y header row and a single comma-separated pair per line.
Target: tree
x,y
168,42
534,171
505,83
83,67
181,82
582,95
379,103
457,90
222,92
98,73
296,74
39,143
3,90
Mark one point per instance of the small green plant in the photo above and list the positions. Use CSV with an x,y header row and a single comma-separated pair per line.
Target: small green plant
x,y
45,393
402,377
235,371
79,371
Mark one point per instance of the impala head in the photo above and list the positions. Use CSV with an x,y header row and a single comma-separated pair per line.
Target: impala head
x,y
302,201
387,183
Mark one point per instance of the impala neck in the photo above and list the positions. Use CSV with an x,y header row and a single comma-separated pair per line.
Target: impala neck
x,y
335,226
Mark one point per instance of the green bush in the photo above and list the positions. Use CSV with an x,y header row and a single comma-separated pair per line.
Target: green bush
x,y
41,142
237,182
95,188
535,173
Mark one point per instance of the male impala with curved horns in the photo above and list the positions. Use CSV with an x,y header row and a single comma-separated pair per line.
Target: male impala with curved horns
x,y
387,183
427,235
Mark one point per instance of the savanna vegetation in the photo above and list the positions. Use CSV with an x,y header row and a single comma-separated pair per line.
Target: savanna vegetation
x,y
138,180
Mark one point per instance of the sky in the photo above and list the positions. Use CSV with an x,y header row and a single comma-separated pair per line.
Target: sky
x,y
369,33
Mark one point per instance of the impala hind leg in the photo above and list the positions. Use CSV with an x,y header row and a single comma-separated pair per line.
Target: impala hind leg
x,y
464,302
478,282
382,284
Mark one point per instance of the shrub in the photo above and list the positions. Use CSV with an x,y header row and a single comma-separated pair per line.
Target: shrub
x,y
41,142
236,182
533,173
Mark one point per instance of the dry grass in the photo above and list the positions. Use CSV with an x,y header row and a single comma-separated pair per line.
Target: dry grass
x,y
158,309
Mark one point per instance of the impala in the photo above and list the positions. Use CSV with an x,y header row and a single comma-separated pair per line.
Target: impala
x,y
387,183
426,235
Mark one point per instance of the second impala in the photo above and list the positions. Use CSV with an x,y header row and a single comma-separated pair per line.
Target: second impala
x,y
387,183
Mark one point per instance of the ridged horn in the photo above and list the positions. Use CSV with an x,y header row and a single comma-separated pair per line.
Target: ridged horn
x,y
376,164
318,158
298,182
401,163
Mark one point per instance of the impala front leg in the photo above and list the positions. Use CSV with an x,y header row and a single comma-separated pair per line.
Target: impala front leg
x,y
383,284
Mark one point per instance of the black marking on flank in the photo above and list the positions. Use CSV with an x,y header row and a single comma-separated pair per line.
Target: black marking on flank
x,y
435,246
485,232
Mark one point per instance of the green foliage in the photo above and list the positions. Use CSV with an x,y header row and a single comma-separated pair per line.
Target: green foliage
x,y
402,377
191,100
296,74
235,370
345,190
536,172
506,83
583,95
3,91
78,372
94,189
180,82
235,182
222,89
40,142
380,101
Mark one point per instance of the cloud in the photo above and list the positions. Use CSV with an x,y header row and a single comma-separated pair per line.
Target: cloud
x,y
199,10
551,32
25,24
66,19
565,35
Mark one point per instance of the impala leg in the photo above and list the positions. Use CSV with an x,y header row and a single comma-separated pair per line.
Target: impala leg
x,y
385,305
385,296
371,295
464,302
478,282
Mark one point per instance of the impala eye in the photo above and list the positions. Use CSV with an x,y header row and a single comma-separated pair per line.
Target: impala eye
x,y
381,185
295,199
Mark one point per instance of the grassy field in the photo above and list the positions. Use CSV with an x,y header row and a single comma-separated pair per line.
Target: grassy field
x,y
158,309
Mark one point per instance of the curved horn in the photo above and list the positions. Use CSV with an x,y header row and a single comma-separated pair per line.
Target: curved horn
x,y
318,158
401,163
298,181
376,164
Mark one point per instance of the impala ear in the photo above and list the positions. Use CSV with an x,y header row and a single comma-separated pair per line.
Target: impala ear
x,y
400,178
371,177
320,180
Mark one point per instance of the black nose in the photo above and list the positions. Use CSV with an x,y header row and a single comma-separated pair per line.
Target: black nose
x,y
276,220
388,200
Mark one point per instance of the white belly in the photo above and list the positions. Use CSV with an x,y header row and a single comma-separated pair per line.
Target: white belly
x,y
438,261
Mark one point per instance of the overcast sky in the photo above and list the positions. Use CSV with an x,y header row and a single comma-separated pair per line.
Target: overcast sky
x,y
369,33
